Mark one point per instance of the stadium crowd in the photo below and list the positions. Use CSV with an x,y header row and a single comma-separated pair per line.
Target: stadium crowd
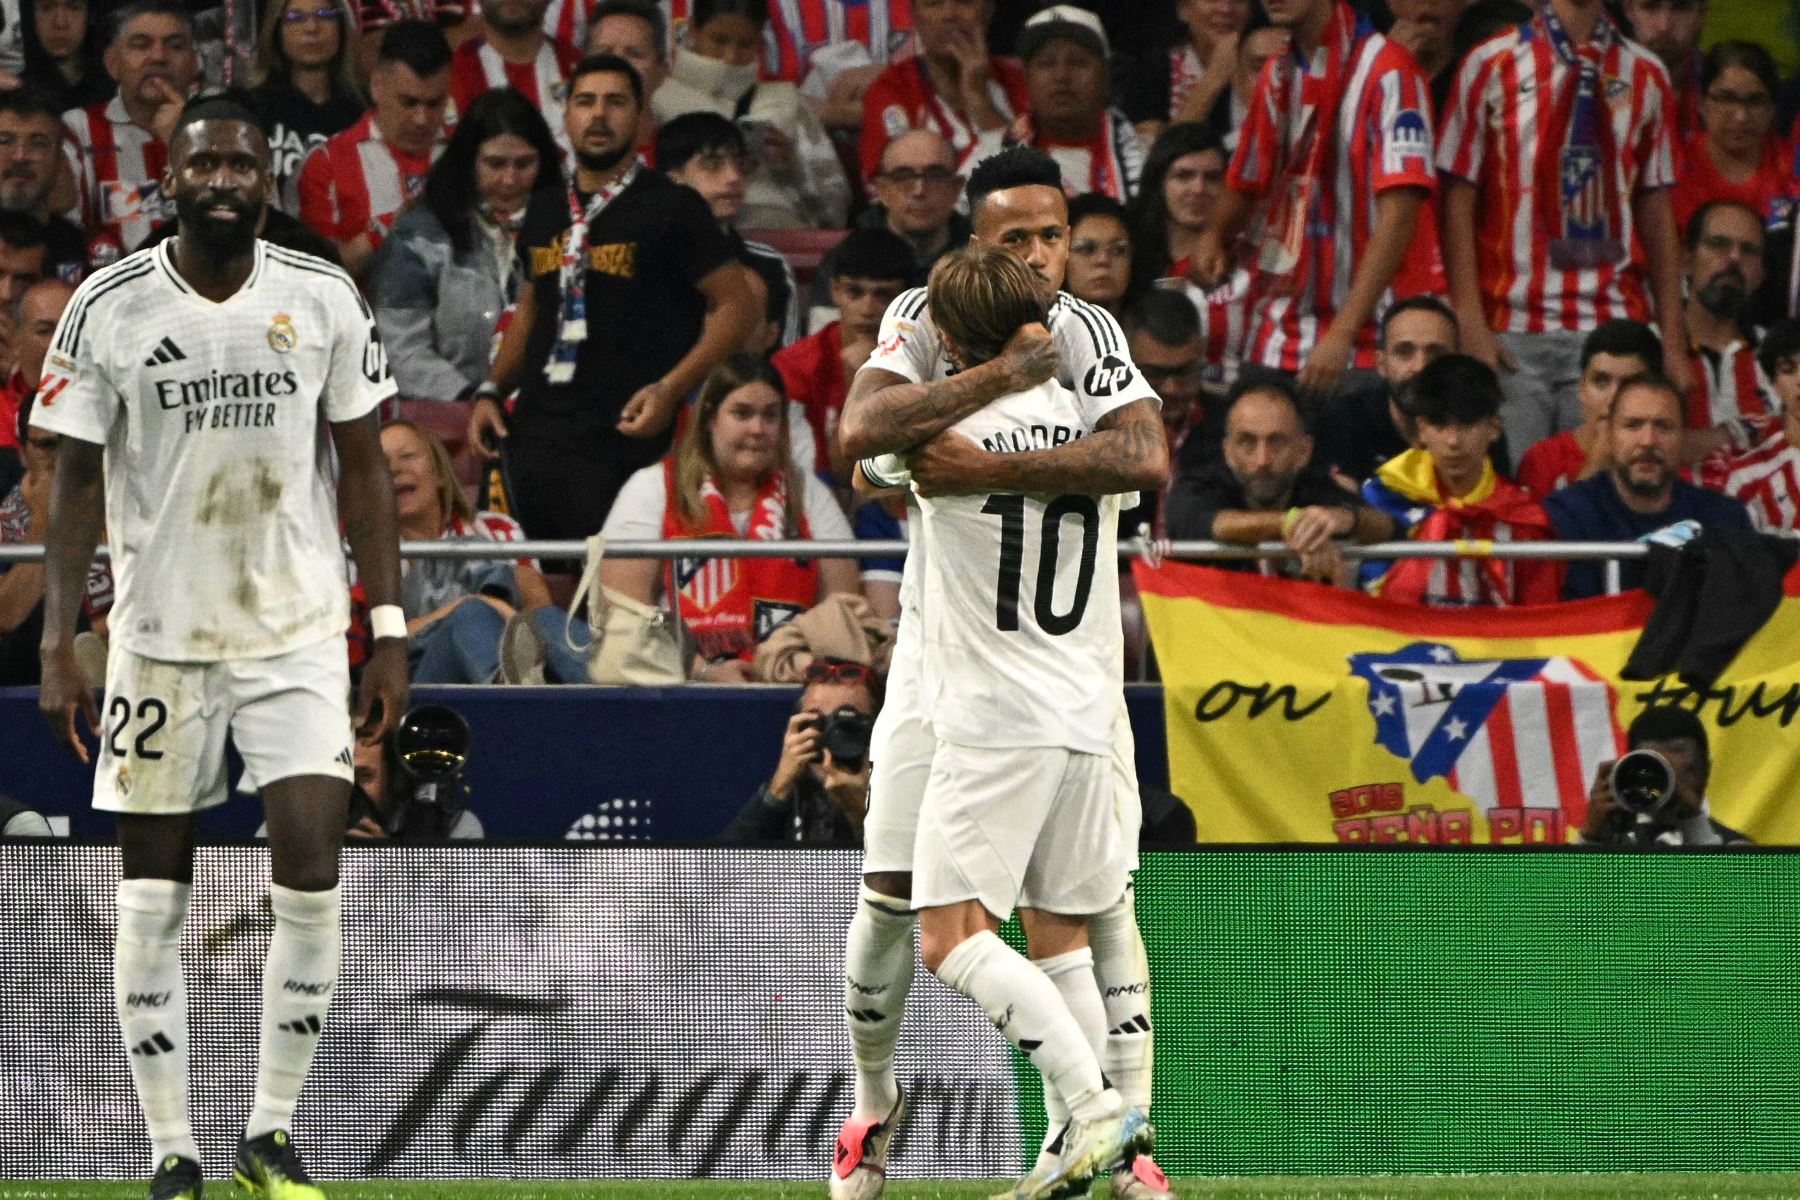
x,y
1500,271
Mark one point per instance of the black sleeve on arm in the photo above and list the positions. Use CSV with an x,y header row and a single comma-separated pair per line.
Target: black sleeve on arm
x,y
1196,500
764,819
701,247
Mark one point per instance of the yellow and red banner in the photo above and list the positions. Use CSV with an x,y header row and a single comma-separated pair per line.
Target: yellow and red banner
x,y
1302,713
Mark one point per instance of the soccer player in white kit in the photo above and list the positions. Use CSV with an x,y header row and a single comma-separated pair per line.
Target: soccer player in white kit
x,y
906,394
204,376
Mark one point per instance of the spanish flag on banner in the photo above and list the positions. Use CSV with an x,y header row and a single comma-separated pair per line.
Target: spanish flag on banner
x,y
1302,713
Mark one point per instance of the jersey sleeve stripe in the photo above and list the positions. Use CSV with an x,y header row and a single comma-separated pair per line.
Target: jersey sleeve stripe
x,y
1093,328
876,477
75,319
306,262
914,304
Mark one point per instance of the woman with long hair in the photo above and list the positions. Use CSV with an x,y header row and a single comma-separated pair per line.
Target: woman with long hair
x,y
1183,175
1738,155
64,52
301,83
449,268
731,475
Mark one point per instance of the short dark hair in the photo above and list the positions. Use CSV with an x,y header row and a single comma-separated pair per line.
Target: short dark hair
x,y
706,10
23,103
1750,56
597,64
1267,383
1097,204
125,14
1166,316
1781,341
874,254
1655,381
22,231
1623,339
1424,302
1696,226
1455,389
1015,166
219,104
1486,18
645,11
1667,723
692,134
419,46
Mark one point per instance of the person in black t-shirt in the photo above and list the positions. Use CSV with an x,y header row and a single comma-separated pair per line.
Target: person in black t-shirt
x,y
605,346
1267,489
301,85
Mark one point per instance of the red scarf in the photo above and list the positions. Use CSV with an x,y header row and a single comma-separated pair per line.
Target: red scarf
x,y
731,604
1501,582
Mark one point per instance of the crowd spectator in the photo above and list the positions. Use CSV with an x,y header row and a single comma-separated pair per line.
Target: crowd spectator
x,y
916,192
1671,30
24,259
30,160
1684,820
1448,490
386,809
457,611
1267,487
732,475
38,308
835,48
1738,155
638,32
794,179
1162,331
513,51
1545,204
1324,268
65,50
707,152
597,397
451,266
812,799
1190,77
1099,252
1068,80
302,85
1428,29
1724,269
118,148
1640,494
376,17
1617,351
1366,426
1761,469
870,268
953,85
353,186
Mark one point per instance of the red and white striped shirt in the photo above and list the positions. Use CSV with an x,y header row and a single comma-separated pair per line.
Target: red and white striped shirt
x,y
902,99
357,178
1765,477
1728,386
1345,127
1504,132
118,167
1224,321
477,66
798,29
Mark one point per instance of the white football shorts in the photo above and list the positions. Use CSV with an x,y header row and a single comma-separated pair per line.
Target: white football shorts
x,y
163,726
1037,827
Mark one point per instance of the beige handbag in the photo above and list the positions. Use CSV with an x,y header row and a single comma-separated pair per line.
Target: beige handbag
x,y
634,643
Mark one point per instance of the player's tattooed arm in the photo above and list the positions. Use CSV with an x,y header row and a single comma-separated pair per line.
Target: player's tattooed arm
x,y
366,503
1127,452
885,414
77,510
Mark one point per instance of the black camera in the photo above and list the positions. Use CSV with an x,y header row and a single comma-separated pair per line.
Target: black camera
x,y
844,734
425,758
1643,782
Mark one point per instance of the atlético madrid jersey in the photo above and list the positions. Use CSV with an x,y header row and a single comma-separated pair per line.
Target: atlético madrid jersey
x,y
220,509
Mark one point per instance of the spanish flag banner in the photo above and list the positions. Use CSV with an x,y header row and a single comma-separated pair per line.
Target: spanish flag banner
x,y
1302,713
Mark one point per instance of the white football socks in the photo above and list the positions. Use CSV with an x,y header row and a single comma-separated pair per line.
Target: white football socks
x,y
1024,1005
878,972
151,998
298,980
1123,972
1073,975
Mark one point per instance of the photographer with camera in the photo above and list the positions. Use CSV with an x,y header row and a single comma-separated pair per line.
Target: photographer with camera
x,y
409,787
820,790
1655,794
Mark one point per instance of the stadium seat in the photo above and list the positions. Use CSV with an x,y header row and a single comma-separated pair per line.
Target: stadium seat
x,y
804,249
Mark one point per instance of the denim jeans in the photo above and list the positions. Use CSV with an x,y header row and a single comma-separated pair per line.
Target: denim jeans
x,y
464,647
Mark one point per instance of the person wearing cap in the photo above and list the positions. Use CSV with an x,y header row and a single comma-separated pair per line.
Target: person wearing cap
x,y
953,85
1068,77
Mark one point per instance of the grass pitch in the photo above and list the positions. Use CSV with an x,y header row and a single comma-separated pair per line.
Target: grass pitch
x,y
1431,1187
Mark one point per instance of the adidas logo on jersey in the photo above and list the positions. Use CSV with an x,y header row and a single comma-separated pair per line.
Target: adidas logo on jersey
x,y
166,352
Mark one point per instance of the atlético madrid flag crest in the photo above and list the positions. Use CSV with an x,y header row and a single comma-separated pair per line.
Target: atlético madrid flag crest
x,y
1301,713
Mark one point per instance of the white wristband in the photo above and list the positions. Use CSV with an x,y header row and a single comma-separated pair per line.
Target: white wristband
x,y
387,621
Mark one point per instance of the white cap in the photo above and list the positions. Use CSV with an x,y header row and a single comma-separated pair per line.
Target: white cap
x,y
1063,21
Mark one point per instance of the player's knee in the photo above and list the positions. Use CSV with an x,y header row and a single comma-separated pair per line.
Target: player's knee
x,y
935,946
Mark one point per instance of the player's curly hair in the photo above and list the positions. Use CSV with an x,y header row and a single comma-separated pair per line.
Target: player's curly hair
x,y
979,297
1015,166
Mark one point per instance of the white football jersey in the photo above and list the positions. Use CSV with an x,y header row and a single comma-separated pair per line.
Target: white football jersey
x,y
221,509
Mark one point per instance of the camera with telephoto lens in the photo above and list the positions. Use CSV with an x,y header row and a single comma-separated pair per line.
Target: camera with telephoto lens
x,y
844,734
1643,782
425,756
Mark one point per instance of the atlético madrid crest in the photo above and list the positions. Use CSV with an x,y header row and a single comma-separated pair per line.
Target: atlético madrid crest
x,y
282,338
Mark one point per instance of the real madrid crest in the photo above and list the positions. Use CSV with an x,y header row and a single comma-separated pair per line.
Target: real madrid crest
x,y
282,338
